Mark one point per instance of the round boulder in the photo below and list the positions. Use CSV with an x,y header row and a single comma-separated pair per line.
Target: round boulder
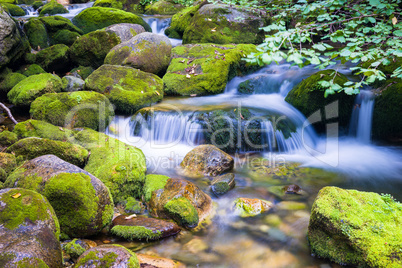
x,y
112,256
206,160
72,83
82,202
29,230
125,31
148,52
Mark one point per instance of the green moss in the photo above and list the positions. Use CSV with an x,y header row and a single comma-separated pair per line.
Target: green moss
x,y
54,24
119,166
54,58
181,21
92,48
37,4
41,129
10,81
127,88
251,207
33,69
31,262
308,97
74,249
387,108
163,8
30,58
74,109
136,233
3,177
99,259
213,65
31,148
132,6
95,18
74,200
182,211
65,37
37,34
14,10
52,8
82,71
32,87
8,162
28,205
356,228
133,205
153,182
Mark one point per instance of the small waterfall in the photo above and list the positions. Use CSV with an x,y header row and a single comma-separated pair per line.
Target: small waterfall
x,y
29,11
73,10
360,125
159,25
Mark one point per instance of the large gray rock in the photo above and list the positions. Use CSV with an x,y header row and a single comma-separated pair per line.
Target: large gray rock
x,y
125,31
12,44
29,230
82,202
72,83
146,51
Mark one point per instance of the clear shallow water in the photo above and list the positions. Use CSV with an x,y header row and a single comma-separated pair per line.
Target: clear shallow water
x,y
276,239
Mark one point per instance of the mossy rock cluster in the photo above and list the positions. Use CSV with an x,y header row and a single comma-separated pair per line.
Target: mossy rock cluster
x,y
127,88
356,228
82,202
205,69
26,91
52,8
30,148
308,98
108,256
206,160
45,31
54,58
219,24
74,109
163,7
92,48
10,81
387,110
29,230
13,10
148,52
132,6
95,18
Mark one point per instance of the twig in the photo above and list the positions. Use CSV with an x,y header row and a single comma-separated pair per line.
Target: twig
x,y
9,113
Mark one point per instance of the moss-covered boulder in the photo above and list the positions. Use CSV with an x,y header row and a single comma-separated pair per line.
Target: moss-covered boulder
x,y
30,148
82,202
148,52
52,8
92,48
36,33
125,31
153,182
26,91
226,24
308,97
8,163
181,201
113,256
120,166
65,37
142,228
223,184
29,230
133,6
82,71
163,7
13,10
32,69
127,88
74,109
247,207
181,21
41,129
72,83
356,228
10,81
54,58
74,249
205,69
387,108
7,138
37,4
95,18
13,44
206,160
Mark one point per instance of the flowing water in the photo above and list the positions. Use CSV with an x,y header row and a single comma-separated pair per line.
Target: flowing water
x,y
73,10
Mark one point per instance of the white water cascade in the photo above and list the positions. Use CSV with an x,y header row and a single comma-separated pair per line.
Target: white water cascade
x,y
362,115
159,24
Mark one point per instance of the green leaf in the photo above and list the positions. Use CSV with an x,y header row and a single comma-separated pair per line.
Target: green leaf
x,y
346,53
371,19
398,33
320,47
